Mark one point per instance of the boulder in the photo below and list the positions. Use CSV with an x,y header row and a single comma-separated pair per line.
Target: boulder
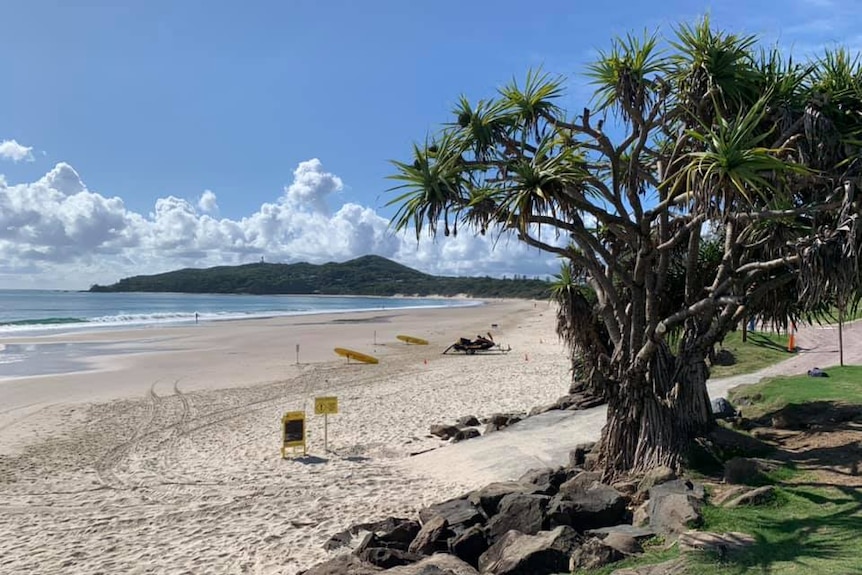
x,y
437,564
400,536
586,402
675,506
679,486
468,421
518,511
579,453
592,554
623,542
488,498
469,545
463,434
720,543
459,513
627,488
539,409
501,420
567,401
599,506
519,554
732,492
656,476
343,538
636,533
340,539
674,513
432,536
580,482
757,496
747,471
548,480
444,431
640,516
346,564
387,558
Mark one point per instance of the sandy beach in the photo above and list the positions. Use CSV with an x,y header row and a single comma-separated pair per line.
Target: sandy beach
x,y
163,457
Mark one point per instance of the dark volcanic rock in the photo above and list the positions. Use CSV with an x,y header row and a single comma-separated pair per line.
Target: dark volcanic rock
x,y
346,564
592,554
468,421
387,558
524,513
548,480
432,536
459,513
401,536
519,554
444,431
463,434
439,564
488,498
469,545
598,506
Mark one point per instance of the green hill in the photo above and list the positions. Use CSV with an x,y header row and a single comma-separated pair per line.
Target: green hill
x,y
368,275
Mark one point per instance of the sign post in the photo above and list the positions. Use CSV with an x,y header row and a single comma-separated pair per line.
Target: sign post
x,y
297,354
293,432
324,406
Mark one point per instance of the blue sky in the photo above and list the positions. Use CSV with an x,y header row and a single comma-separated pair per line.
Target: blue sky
x,y
139,137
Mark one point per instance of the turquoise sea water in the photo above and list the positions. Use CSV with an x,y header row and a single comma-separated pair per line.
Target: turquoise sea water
x,y
40,312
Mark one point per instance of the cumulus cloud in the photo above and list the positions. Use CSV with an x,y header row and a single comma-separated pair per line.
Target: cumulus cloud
x,y
55,232
208,203
311,186
12,150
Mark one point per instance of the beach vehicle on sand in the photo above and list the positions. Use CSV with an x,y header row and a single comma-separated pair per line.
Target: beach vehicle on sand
x,y
480,344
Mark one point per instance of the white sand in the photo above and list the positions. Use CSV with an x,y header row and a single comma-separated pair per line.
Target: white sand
x,y
168,461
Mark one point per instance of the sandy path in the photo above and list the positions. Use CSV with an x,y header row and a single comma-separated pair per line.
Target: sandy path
x,y
181,472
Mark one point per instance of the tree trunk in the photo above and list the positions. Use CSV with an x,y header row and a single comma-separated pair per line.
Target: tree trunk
x,y
653,418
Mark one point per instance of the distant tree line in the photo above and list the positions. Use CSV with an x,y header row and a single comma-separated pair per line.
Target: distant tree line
x,y
368,275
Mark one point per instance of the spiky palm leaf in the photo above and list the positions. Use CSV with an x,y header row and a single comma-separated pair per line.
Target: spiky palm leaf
x,y
625,76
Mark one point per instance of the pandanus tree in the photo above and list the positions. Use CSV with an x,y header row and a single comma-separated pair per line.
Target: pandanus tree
x,y
707,149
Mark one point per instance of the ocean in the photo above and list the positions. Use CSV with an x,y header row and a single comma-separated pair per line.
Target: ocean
x,y
38,313
35,312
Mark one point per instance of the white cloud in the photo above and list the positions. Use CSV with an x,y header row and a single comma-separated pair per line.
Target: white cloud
x,y
208,203
311,185
12,150
55,232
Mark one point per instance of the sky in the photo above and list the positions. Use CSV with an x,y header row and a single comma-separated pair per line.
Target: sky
x,y
144,136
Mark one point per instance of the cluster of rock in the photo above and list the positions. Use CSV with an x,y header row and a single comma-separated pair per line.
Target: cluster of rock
x,y
548,521
467,427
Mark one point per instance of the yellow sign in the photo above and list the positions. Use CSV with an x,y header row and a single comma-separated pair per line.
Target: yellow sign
x,y
293,431
325,405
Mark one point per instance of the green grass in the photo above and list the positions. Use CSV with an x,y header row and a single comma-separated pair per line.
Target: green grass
x,y
805,529
761,350
844,384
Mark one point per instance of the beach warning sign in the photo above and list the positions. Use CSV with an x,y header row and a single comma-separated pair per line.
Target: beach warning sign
x,y
325,405
292,432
